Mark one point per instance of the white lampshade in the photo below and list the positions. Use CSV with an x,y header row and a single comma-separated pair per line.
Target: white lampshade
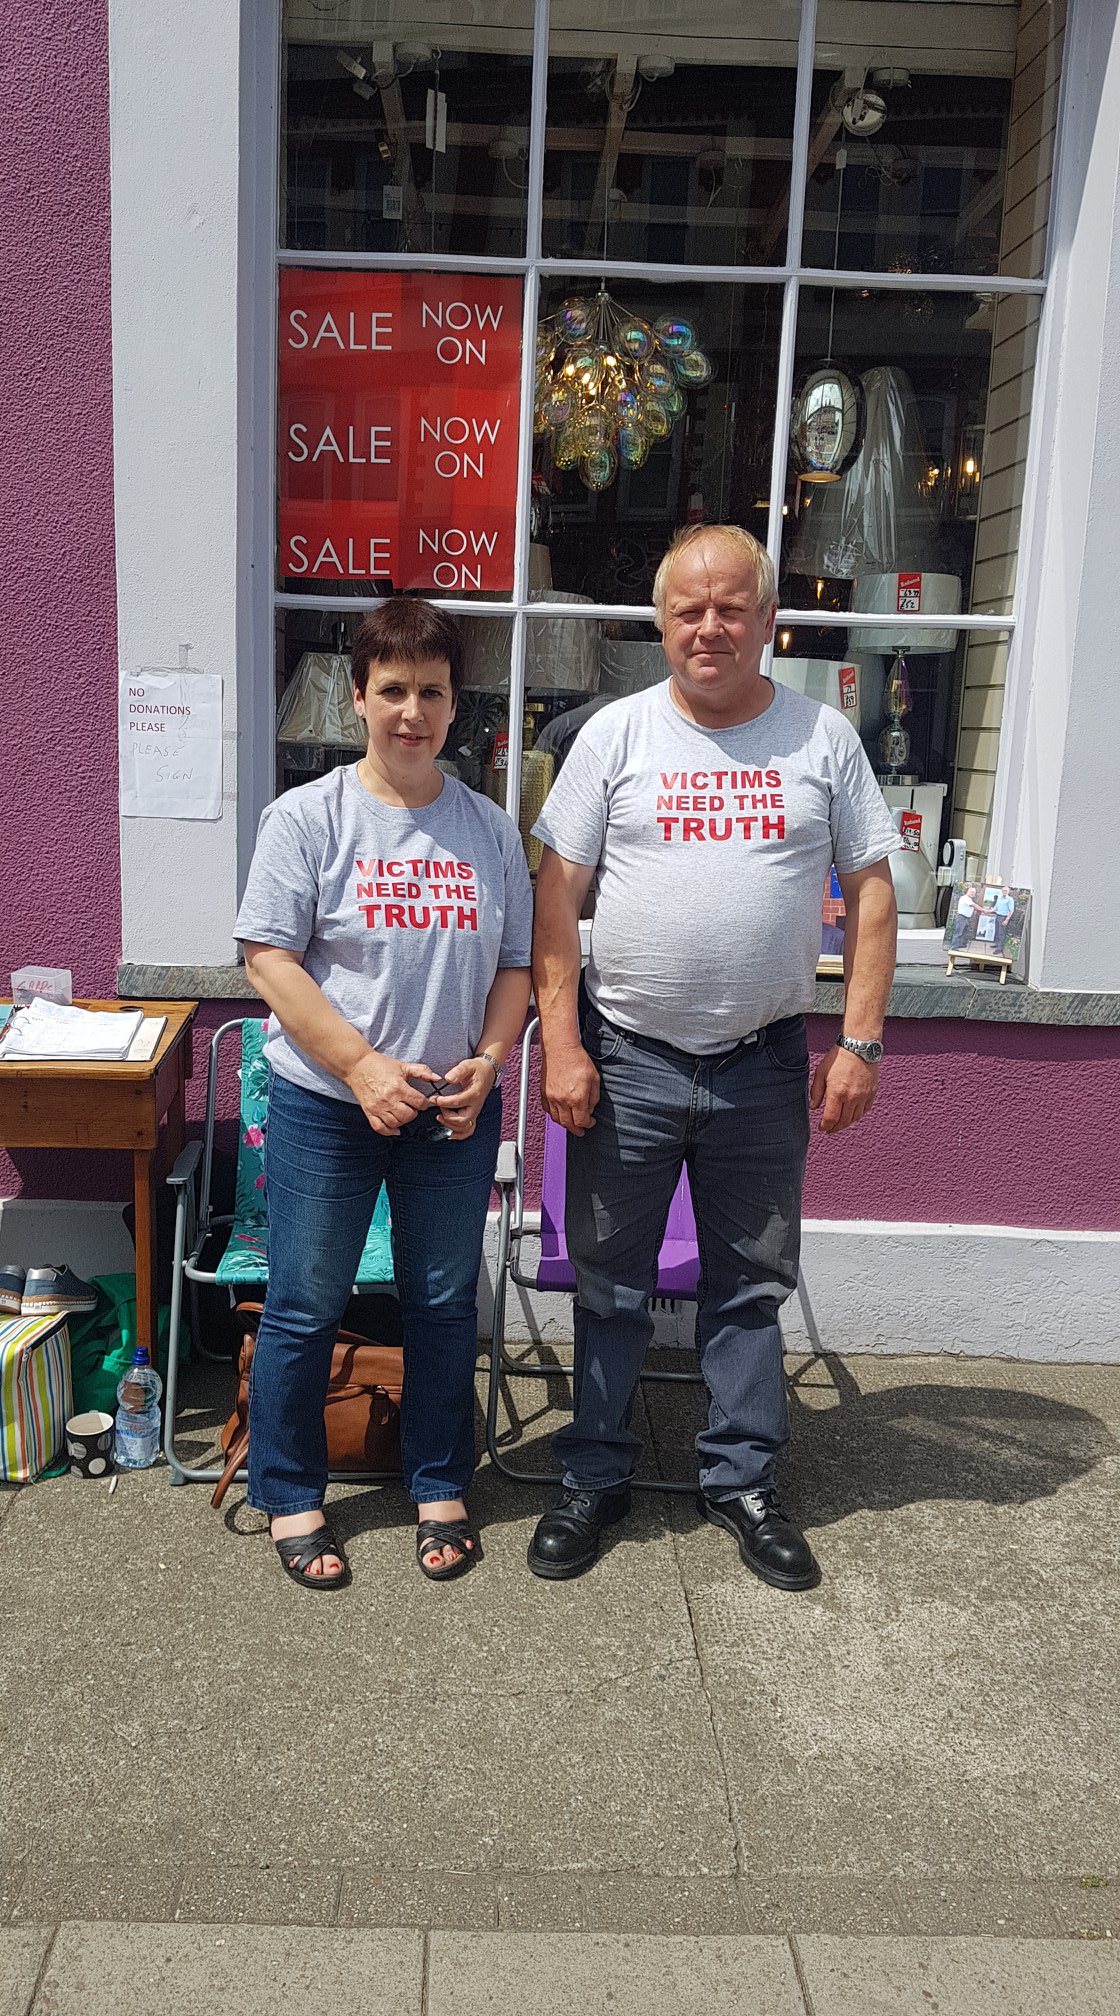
x,y
905,594
836,681
318,706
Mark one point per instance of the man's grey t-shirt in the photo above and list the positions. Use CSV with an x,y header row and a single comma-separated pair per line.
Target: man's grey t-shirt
x,y
712,846
402,915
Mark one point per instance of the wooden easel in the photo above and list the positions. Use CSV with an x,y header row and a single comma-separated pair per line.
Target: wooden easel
x,y
973,958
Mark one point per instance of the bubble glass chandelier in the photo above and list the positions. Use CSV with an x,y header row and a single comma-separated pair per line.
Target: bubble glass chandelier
x,y
610,384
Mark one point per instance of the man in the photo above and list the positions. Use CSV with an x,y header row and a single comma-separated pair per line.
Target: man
x,y
707,812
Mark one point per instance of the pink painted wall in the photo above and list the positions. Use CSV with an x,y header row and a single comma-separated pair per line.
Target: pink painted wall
x,y
59,855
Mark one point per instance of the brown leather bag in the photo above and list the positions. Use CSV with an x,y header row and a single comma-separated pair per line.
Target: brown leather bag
x,y
362,1413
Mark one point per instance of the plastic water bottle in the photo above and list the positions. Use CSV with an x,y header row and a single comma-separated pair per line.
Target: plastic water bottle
x,y
136,1436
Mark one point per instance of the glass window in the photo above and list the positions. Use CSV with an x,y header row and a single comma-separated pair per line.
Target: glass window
x,y
897,403
670,143
927,705
317,728
932,137
943,383
405,128
709,457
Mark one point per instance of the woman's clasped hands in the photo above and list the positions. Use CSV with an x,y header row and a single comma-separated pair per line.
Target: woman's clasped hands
x,y
388,1096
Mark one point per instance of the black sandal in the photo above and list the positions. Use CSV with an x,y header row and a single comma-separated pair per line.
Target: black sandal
x,y
298,1550
457,1533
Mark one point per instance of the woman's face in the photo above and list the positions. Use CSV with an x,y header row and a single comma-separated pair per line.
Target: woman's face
x,y
407,710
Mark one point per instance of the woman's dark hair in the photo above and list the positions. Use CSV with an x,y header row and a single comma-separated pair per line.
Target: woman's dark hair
x,y
407,632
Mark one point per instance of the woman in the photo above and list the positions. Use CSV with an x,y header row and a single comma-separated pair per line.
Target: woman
x,y
387,923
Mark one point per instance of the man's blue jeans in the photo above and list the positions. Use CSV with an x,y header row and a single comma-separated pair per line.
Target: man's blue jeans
x,y
324,1166
740,1124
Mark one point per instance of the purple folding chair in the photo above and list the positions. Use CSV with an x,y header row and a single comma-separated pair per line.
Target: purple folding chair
x,y
678,1269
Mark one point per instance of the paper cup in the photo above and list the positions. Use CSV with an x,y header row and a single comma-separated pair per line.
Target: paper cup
x,y
89,1444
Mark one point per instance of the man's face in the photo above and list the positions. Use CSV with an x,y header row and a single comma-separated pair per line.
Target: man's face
x,y
714,632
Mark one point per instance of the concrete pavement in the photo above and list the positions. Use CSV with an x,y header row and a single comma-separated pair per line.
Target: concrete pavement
x,y
179,1970
912,1767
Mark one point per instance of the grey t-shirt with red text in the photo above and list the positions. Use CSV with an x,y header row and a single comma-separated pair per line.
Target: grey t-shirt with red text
x,y
712,846
402,915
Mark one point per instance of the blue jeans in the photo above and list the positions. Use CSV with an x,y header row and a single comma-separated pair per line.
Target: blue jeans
x,y
324,1166
739,1122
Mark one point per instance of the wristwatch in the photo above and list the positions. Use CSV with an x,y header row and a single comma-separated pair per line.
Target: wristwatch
x,y
499,1070
866,1047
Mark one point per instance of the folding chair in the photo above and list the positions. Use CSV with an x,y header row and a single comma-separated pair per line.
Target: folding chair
x,y
678,1269
230,1250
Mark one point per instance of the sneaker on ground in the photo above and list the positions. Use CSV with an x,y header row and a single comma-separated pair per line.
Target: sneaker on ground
x,y
56,1291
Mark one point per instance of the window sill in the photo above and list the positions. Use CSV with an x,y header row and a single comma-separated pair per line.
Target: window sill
x,y
919,994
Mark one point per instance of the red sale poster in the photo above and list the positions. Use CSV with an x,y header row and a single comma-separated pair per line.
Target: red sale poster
x,y
398,428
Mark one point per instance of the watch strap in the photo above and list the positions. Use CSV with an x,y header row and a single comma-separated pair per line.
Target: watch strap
x,y
484,1057
868,1047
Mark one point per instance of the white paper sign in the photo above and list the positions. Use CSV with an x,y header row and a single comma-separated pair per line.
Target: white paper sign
x,y
171,745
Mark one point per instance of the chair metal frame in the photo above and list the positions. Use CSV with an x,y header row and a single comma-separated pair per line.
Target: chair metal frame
x,y
512,1232
196,1222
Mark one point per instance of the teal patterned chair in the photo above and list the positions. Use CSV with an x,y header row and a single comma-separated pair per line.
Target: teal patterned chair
x,y
230,1250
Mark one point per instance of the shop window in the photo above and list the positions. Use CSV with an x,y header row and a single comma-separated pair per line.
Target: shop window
x,y
404,132
317,729
932,139
711,463
671,147
417,202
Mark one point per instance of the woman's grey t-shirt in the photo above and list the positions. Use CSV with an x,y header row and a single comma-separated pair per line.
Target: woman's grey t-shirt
x,y
712,846
402,915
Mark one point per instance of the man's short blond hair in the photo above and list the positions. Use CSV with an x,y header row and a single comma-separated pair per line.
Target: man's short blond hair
x,y
756,560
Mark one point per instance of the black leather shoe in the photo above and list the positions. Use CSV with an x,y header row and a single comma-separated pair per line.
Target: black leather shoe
x,y
567,1538
769,1542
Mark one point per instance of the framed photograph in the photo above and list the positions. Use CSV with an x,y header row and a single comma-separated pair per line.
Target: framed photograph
x,y
986,923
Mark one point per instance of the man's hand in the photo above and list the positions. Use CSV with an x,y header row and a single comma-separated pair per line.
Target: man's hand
x,y
382,1089
846,1088
569,1087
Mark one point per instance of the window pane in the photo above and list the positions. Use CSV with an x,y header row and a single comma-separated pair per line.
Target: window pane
x,y
935,491
933,136
928,715
317,729
398,415
709,459
405,128
670,143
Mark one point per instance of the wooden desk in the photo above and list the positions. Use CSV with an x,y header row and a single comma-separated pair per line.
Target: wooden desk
x,y
86,1105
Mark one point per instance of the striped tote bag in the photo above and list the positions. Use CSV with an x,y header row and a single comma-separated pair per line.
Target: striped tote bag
x,y
36,1394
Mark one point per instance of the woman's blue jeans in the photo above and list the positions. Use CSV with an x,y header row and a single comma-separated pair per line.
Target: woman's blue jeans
x,y
324,1166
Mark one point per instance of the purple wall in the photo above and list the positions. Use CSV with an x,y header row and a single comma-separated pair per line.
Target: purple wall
x,y
979,1123
976,1123
59,853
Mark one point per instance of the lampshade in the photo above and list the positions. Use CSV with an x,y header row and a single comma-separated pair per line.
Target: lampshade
x,y
318,706
559,652
835,681
905,594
